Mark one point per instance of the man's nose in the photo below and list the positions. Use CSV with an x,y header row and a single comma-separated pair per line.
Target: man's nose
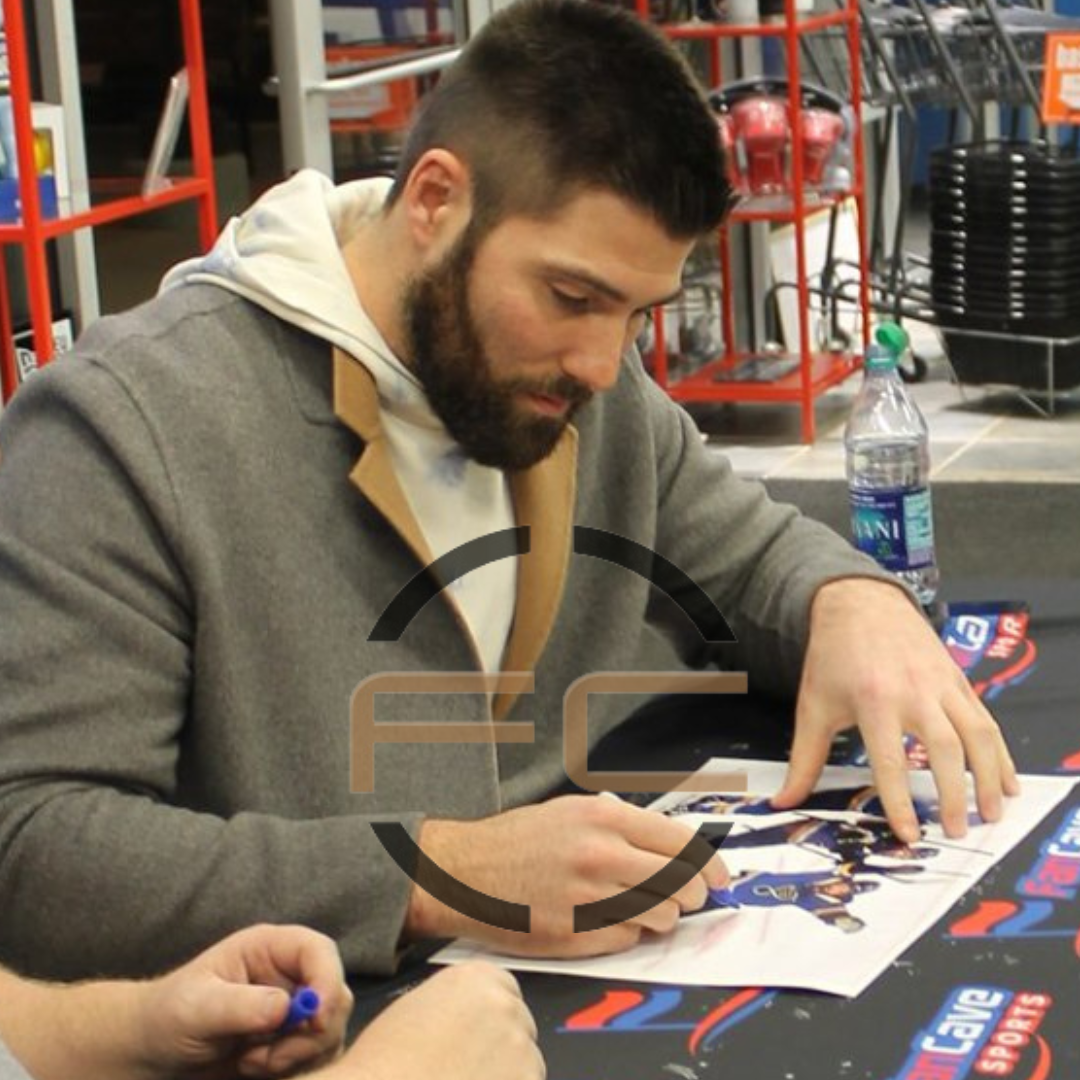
x,y
593,359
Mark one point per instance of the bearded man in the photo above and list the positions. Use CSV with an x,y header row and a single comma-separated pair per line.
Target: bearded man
x,y
210,505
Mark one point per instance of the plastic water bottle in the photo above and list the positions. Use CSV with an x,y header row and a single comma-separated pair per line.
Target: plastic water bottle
x,y
888,470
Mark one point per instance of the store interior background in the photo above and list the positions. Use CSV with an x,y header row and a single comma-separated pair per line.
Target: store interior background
x,y
1007,481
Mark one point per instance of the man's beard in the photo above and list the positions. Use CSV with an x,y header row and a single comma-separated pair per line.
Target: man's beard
x,y
483,414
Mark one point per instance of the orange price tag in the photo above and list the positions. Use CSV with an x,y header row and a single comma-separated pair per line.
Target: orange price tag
x,y
1061,81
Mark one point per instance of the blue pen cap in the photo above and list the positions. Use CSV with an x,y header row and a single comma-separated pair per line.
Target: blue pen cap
x,y
303,1005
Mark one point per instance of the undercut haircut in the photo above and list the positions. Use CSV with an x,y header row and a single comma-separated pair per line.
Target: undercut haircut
x,y
556,97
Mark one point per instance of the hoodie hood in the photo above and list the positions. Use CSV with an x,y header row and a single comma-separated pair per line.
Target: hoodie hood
x,y
284,254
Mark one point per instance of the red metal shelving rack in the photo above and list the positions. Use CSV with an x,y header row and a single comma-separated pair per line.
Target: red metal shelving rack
x,y
817,371
34,231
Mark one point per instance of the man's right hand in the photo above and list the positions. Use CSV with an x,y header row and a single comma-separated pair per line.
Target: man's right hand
x,y
554,856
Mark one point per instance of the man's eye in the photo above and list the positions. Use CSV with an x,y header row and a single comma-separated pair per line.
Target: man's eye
x,y
571,302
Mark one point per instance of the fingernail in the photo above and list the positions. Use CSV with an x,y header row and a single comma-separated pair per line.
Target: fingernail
x,y
271,1005
724,898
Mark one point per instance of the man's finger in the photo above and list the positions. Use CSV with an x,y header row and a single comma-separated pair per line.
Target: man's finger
x,y
660,919
228,1009
308,958
291,956
693,894
654,834
1010,781
885,749
980,738
644,882
604,942
946,755
286,1056
809,753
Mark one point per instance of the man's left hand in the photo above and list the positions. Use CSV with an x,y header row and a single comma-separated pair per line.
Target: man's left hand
x,y
873,661
221,1013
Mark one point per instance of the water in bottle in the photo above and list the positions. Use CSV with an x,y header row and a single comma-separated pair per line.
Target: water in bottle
x,y
888,470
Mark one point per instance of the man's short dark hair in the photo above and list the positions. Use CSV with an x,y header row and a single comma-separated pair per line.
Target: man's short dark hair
x,y
554,97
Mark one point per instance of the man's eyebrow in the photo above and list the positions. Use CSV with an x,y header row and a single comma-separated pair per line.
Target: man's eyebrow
x,y
591,281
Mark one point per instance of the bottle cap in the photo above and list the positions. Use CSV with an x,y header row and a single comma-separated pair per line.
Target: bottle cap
x,y
879,358
893,336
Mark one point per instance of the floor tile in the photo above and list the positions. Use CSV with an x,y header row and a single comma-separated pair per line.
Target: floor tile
x,y
957,425
760,461
1026,461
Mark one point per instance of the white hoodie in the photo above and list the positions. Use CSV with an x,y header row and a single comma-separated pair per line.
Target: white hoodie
x,y
284,254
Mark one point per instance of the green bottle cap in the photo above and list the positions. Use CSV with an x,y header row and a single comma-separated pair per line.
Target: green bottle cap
x,y
893,336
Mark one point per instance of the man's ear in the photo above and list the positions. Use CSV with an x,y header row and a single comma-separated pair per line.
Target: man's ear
x,y
437,198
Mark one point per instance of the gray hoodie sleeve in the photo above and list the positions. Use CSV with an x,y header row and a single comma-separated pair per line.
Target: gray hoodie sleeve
x,y
761,562
100,873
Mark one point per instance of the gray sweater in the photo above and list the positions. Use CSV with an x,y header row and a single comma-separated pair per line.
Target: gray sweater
x,y
199,528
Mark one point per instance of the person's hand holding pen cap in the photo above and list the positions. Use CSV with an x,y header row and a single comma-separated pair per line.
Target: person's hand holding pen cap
x,y
264,1002
228,1013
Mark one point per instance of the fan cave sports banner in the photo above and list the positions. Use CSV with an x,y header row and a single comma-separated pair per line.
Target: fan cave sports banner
x,y
997,646
990,991
968,1029
668,1009
991,645
1039,905
983,1031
